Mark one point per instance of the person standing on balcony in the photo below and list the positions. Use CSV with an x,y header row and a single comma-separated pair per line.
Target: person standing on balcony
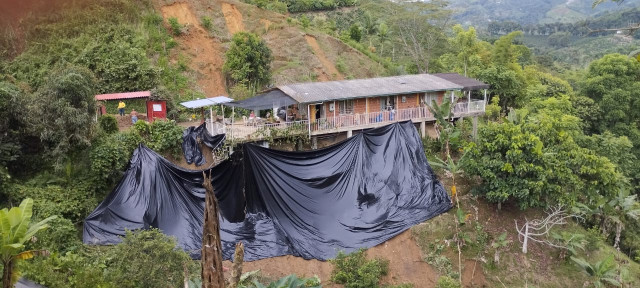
x,y
121,107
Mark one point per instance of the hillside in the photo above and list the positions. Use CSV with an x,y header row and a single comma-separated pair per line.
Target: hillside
x,y
299,55
551,135
481,12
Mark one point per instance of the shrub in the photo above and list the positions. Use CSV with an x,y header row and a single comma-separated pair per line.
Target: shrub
x,y
73,202
109,157
447,282
62,237
355,32
70,269
355,271
206,22
492,111
108,124
305,21
176,28
144,259
165,137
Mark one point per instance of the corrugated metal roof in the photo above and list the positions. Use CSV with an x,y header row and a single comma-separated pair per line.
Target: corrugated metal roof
x,y
267,100
466,82
346,89
206,102
127,95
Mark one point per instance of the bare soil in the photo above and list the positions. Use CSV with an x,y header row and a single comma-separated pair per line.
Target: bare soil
x,y
405,264
124,122
232,17
328,70
205,52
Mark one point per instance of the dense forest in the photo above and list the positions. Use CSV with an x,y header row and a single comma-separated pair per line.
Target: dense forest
x,y
554,134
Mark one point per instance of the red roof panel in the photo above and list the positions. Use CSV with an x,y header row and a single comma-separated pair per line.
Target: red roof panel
x,y
126,95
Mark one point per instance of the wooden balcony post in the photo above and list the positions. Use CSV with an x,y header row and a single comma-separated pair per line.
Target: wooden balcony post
x,y
309,119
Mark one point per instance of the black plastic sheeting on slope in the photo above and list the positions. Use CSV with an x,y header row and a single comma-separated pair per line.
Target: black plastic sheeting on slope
x,y
190,147
355,194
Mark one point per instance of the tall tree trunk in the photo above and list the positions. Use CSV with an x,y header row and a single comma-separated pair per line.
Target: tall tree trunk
x,y
212,276
6,275
238,259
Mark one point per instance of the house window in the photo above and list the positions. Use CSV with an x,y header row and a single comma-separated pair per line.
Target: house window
x,y
346,107
387,103
429,97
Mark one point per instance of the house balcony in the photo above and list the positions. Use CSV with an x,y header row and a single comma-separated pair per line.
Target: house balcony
x,y
347,122
257,130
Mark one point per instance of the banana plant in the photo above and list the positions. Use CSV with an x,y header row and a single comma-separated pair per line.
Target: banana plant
x,y
602,273
15,230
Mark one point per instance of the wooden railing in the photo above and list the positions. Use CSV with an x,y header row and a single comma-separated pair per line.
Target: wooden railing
x,y
252,131
383,117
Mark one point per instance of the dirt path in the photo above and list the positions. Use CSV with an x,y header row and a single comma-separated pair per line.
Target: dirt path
x,y
205,53
405,264
329,72
233,17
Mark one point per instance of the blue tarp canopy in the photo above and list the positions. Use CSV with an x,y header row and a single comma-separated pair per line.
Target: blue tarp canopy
x,y
206,102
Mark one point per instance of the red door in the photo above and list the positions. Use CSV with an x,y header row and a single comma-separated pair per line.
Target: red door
x,y
156,110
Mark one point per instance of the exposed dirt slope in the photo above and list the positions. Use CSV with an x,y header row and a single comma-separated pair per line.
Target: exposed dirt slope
x,y
405,264
204,51
328,71
233,17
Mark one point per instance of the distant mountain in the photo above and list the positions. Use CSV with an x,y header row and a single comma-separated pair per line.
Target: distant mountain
x,y
481,12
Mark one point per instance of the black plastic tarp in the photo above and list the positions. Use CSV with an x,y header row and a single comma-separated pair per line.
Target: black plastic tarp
x,y
190,147
355,194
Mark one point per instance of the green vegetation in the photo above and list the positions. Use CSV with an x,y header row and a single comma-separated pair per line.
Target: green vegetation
x,y
206,22
110,153
108,124
15,230
553,133
176,28
294,6
248,61
447,282
143,259
291,281
355,271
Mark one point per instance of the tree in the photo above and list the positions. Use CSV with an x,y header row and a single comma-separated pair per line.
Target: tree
x,y
533,156
613,82
248,60
538,230
466,43
12,124
15,230
383,35
504,52
613,213
510,162
212,276
420,27
66,106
